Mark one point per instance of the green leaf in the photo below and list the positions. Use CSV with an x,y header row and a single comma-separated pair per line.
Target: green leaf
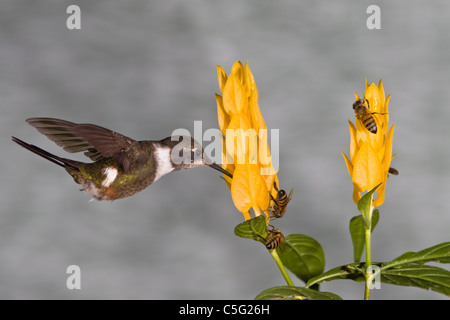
x,y
364,205
255,229
409,269
295,293
357,228
303,256
437,253
352,271
422,276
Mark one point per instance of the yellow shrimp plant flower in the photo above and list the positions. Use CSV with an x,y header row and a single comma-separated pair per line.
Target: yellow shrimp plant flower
x,y
245,150
371,154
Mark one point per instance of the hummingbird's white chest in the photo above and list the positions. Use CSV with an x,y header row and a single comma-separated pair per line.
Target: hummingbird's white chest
x,y
163,162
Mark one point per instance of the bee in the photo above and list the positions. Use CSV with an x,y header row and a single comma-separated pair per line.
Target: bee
x,y
280,202
363,114
275,239
393,171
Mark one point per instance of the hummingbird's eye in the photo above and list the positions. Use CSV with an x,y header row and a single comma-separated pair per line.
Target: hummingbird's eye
x,y
196,154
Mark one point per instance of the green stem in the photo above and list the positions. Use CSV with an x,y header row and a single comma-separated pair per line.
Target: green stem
x,y
368,276
281,267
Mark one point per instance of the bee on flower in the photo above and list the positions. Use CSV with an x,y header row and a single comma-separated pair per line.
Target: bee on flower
x,y
370,143
240,120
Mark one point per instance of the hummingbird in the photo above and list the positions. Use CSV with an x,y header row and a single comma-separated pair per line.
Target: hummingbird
x,y
122,166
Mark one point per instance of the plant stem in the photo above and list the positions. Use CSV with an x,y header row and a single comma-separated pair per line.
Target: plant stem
x,y
368,276
281,267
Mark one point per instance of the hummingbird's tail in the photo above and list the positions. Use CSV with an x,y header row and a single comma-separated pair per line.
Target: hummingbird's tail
x,y
47,155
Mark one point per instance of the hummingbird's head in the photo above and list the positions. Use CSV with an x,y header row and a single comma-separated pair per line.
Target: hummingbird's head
x,y
187,153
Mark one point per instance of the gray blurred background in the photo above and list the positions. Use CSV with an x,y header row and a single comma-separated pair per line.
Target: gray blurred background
x,y
146,68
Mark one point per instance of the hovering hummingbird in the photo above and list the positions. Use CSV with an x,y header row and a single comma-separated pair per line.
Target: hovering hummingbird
x,y
122,166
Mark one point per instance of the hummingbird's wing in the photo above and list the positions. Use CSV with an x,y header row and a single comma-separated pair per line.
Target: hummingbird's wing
x,y
97,142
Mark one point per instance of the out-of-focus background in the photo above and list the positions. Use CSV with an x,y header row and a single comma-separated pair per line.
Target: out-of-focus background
x,y
146,68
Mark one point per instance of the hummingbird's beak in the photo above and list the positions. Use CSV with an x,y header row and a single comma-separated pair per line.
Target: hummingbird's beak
x,y
219,168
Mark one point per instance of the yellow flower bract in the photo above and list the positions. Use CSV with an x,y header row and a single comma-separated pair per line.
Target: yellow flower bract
x,y
371,154
245,135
